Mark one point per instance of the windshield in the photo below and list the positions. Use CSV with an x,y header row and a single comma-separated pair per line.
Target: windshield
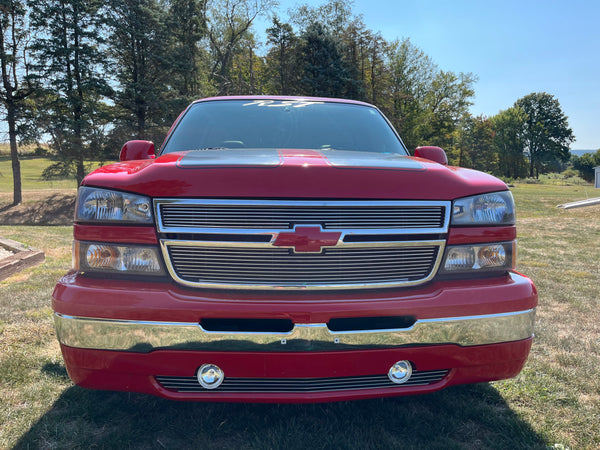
x,y
293,124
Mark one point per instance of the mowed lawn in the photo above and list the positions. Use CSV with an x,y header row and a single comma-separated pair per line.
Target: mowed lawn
x,y
554,402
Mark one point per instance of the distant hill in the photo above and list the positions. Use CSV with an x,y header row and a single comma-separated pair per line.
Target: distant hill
x,y
581,152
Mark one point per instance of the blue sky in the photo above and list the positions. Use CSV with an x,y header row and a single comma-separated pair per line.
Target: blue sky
x,y
514,47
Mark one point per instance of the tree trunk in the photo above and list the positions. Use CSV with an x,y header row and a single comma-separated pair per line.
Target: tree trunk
x,y
80,169
14,154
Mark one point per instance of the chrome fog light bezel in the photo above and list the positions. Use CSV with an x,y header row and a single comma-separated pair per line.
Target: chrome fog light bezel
x,y
400,372
210,376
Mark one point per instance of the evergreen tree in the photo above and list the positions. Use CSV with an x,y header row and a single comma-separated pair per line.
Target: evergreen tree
x,y
324,71
139,47
186,28
69,64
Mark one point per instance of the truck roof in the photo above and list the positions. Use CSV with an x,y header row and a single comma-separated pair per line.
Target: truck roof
x,y
283,97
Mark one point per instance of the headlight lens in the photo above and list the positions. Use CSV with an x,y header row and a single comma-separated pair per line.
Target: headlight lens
x,y
497,208
100,257
103,205
480,257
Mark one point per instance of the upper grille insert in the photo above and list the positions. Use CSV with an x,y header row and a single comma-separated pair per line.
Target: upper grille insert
x,y
275,216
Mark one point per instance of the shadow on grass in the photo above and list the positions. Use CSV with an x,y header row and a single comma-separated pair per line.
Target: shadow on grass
x,y
460,417
53,209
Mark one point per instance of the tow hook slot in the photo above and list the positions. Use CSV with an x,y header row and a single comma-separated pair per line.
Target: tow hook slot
x,y
247,325
371,323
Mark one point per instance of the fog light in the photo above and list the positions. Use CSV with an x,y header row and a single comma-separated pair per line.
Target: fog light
x,y
210,376
400,372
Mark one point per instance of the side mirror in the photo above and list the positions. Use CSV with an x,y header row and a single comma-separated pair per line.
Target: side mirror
x,y
137,150
434,154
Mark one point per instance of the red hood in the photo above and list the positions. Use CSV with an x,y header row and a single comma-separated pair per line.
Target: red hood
x,y
270,173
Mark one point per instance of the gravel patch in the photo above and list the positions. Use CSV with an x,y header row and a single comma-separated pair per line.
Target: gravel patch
x,y
4,253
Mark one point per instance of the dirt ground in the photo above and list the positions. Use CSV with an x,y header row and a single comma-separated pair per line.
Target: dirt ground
x,y
39,207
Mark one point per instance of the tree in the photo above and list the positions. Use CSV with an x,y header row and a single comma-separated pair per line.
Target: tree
x,y
139,49
546,133
509,126
342,30
69,64
586,163
187,28
282,57
15,86
334,16
376,66
324,71
446,101
227,23
475,144
247,72
426,103
411,73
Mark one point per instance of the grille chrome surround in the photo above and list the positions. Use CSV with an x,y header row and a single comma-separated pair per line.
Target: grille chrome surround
x,y
239,385
231,243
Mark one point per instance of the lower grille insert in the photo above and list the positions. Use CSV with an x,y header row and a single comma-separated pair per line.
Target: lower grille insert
x,y
191,385
199,265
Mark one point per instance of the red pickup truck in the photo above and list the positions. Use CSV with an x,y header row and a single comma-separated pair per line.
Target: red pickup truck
x,y
282,249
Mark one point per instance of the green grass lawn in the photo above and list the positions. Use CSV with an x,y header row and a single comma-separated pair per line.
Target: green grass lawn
x,y
31,168
555,401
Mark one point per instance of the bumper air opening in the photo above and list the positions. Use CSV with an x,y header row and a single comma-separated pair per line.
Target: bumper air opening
x,y
248,325
371,323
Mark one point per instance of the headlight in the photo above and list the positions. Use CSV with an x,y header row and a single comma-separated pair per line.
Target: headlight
x,y
496,208
479,258
126,259
103,205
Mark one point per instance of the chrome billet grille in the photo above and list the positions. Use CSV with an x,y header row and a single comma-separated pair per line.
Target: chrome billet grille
x,y
199,264
206,214
335,244
240,385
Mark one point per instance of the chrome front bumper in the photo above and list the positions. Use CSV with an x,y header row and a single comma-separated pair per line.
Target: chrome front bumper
x,y
146,336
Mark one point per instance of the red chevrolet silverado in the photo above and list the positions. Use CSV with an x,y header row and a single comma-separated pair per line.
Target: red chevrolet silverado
x,y
281,249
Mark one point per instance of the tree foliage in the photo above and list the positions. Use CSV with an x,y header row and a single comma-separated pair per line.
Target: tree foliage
x,y
324,72
186,28
228,22
122,69
69,65
139,57
586,163
508,138
282,58
475,144
546,132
